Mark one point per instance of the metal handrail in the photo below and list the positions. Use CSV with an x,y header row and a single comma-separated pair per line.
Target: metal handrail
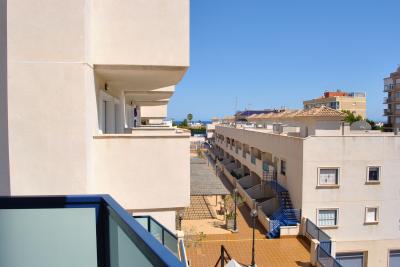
x,y
325,259
222,257
316,233
182,253
164,232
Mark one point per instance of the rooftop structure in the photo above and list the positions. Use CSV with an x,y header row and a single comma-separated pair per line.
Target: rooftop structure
x,y
83,103
242,115
311,163
339,100
392,112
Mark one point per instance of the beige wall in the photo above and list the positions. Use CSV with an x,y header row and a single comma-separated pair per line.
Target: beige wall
x,y
352,155
127,166
354,104
4,161
47,108
153,111
52,106
137,32
43,31
282,147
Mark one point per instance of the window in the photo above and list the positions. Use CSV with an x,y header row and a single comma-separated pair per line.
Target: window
x,y
394,258
328,176
283,167
371,215
354,259
327,217
373,174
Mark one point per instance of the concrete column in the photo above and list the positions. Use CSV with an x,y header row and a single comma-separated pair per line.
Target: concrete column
x,y
313,251
333,248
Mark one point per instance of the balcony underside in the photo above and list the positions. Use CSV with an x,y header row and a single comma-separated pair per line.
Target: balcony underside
x,y
139,78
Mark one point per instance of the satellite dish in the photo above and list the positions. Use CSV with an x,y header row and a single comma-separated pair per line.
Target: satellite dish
x,y
360,126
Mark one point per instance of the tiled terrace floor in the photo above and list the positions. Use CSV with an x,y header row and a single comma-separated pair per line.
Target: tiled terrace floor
x,y
283,252
198,209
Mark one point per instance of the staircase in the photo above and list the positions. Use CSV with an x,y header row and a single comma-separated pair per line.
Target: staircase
x,y
286,215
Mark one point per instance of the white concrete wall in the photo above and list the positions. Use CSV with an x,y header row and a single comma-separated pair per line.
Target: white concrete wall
x,y
137,32
353,155
4,160
47,107
49,98
143,172
281,147
159,111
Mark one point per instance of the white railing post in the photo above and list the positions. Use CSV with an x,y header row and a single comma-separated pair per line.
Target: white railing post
x,y
181,247
314,251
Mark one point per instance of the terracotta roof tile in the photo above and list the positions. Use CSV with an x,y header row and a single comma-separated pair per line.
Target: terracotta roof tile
x,y
321,112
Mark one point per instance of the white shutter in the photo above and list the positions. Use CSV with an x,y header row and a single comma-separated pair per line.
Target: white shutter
x,y
371,215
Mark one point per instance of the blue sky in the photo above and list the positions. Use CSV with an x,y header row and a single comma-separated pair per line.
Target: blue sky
x,y
277,53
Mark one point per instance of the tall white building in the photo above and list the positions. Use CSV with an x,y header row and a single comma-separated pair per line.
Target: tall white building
x,y
84,88
346,181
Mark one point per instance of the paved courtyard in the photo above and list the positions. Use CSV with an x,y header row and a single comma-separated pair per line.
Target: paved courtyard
x,y
199,209
283,252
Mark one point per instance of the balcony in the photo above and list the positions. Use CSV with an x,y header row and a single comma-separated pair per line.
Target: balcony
x,y
391,112
162,234
392,99
118,156
85,231
387,112
390,87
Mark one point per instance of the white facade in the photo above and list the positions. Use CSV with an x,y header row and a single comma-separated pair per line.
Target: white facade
x,y
326,170
75,76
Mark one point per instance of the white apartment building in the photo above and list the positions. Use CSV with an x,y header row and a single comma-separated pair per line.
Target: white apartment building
x,y
345,181
84,88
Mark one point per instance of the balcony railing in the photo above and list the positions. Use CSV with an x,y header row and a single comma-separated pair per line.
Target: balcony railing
x,y
325,259
316,233
387,112
162,234
90,231
390,87
391,99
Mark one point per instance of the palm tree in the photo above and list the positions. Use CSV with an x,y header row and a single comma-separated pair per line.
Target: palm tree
x,y
351,117
190,117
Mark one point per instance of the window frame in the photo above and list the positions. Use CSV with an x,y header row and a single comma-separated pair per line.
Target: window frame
x,y
319,185
376,215
328,226
390,251
368,181
280,167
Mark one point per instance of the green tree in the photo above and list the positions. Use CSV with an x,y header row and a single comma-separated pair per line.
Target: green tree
x,y
351,117
184,123
374,126
189,117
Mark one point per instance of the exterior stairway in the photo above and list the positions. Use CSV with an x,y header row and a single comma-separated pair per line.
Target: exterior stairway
x,y
285,215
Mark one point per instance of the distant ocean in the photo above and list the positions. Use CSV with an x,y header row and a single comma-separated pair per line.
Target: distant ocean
x,y
204,122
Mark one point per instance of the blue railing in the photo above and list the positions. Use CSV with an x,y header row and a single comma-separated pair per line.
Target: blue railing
x,y
85,230
316,233
325,259
162,234
324,248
